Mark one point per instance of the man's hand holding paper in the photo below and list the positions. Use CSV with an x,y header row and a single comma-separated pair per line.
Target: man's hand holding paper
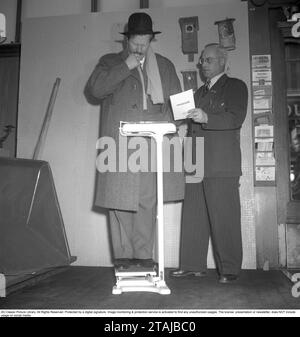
x,y
197,115
182,103
183,106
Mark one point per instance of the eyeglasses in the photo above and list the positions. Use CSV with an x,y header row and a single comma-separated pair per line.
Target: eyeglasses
x,y
208,60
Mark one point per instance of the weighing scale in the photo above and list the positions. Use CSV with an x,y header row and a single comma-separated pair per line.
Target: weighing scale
x,y
145,279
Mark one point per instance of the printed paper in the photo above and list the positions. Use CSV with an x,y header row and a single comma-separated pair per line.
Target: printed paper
x,y
182,103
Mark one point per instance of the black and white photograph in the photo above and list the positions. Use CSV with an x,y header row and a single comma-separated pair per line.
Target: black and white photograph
x,y
149,161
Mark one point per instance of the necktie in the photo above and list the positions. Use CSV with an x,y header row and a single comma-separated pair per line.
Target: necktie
x,y
206,87
143,86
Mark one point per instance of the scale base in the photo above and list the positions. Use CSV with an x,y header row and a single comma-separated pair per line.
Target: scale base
x,y
136,271
147,283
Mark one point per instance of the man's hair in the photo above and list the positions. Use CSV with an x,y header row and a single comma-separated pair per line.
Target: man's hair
x,y
221,50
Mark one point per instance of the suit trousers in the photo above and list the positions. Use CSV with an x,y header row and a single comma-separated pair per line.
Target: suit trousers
x,y
132,233
211,209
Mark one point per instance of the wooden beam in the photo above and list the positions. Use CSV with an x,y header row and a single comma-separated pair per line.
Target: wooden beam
x,y
18,22
144,3
43,133
273,3
94,6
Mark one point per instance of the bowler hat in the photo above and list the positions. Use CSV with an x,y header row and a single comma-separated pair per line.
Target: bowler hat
x,y
139,24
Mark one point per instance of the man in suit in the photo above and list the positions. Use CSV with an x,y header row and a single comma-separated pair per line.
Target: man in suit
x,y
212,207
133,85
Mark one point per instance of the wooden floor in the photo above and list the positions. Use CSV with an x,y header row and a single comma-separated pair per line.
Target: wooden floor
x,y
91,288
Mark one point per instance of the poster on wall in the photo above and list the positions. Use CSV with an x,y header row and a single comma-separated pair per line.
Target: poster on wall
x,y
262,90
262,76
264,131
265,173
265,159
261,61
262,102
264,144
263,120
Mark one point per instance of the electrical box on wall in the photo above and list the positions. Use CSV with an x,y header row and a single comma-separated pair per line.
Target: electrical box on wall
x,y
189,36
190,80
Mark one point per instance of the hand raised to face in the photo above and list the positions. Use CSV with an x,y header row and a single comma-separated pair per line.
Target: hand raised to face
x,y
132,61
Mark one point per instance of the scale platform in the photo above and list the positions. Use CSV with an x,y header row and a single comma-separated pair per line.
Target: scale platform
x,y
137,278
135,271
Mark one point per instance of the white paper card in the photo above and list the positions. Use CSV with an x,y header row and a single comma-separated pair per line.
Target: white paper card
x,y
261,102
182,103
263,131
265,159
261,61
261,74
264,144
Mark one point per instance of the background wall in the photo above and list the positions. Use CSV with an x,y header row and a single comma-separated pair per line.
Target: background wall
x,y
69,47
41,8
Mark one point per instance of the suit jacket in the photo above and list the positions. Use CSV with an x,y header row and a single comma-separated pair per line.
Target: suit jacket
x,y
226,108
119,90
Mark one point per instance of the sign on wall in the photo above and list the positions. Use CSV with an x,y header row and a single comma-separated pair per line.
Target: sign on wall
x,y
264,159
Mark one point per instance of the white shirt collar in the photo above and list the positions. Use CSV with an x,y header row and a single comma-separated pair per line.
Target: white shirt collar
x,y
142,62
215,79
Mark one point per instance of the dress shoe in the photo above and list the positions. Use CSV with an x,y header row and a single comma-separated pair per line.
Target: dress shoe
x,y
185,273
228,278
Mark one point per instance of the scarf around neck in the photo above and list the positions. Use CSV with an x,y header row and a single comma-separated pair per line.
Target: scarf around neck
x,y
154,85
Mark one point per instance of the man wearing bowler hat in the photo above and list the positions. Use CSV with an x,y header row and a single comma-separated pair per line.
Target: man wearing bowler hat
x,y
133,85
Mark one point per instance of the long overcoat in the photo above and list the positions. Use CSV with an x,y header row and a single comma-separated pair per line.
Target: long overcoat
x,y
119,90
